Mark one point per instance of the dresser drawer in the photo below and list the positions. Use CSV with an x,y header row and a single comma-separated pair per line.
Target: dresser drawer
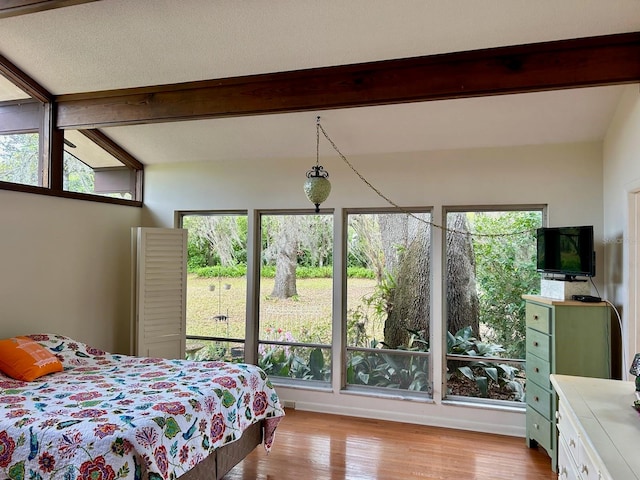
x,y
567,469
539,429
538,317
538,371
538,344
539,398
568,433
586,463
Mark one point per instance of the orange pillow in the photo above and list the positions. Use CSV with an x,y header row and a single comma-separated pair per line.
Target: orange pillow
x,y
24,359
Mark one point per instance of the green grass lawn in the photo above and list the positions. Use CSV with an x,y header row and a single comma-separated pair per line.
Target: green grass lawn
x,y
305,318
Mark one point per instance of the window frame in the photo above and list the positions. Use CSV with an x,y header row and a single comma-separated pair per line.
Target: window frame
x,y
347,349
246,341
281,380
476,401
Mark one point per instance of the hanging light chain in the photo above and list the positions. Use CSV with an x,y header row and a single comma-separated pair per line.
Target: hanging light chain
x,y
319,128
317,170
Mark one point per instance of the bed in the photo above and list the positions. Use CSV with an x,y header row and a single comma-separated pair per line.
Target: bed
x,y
108,417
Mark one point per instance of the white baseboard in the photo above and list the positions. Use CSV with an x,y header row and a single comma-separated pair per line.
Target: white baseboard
x,y
475,421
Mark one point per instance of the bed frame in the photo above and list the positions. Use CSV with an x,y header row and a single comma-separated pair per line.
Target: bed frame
x,y
225,458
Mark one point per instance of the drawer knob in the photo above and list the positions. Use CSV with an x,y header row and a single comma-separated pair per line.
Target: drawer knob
x,y
537,399
537,370
535,344
584,469
536,426
535,317
563,472
558,415
572,443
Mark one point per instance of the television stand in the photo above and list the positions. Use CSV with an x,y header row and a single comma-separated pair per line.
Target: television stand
x,y
573,278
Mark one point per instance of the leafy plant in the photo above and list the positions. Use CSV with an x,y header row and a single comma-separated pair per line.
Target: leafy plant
x,y
384,369
281,361
482,373
389,371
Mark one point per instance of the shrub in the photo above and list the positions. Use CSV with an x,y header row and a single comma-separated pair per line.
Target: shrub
x,y
269,271
219,271
482,373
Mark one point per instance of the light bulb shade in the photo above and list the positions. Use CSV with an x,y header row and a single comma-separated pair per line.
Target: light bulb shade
x,y
317,190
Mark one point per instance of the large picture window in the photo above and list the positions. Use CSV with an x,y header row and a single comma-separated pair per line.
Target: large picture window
x,y
490,263
296,292
388,301
216,286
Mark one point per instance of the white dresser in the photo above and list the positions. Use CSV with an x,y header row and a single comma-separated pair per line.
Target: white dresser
x,y
599,431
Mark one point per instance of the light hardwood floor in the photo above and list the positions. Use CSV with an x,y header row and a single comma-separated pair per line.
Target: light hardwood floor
x,y
319,446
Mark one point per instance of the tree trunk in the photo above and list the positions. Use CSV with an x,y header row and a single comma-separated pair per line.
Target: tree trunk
x,y
406,242
394,233
286,258
463,307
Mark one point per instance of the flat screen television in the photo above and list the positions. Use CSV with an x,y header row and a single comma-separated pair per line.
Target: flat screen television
x,y
566,251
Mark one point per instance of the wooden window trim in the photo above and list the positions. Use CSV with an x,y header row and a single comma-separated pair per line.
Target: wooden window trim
x,y
17,187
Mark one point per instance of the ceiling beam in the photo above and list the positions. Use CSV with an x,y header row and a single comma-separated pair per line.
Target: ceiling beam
x,y
111,147
23,81
583,62
12,8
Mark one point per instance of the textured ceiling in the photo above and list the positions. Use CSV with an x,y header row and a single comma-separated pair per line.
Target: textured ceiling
x,y
113,44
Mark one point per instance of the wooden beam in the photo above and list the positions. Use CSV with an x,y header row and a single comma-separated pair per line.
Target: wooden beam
x,y
20,117
111,147
12,8
23,81
584,62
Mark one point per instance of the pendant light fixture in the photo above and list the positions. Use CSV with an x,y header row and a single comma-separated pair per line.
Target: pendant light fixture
x,y
317,186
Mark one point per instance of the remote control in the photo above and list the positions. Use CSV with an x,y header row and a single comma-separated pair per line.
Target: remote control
x,y
586,298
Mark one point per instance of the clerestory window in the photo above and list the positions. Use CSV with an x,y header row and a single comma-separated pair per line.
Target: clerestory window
x,y
37,158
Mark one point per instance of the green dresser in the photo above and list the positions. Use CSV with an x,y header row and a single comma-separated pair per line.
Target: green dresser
x,y
564,337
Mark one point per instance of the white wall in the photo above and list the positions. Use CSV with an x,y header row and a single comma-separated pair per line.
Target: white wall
x,y
65,268
566,177
621,177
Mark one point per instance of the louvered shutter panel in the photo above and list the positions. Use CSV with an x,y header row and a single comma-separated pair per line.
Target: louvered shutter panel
x,y
161,292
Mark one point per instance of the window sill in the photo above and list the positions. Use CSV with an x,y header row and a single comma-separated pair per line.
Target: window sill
x,y
500,405
388,394
17,187
297,384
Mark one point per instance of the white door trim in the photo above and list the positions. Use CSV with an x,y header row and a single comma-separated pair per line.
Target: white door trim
x,y
631,251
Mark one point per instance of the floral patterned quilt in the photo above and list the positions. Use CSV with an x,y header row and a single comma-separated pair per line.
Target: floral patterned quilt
x,y
110,416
